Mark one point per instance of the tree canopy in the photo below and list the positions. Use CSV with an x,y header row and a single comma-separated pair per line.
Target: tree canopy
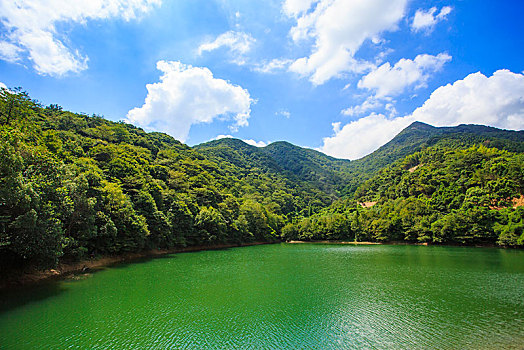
x,y
74,186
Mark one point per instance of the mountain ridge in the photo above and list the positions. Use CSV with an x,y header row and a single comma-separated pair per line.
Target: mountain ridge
x,y
419,135
295,163
306,164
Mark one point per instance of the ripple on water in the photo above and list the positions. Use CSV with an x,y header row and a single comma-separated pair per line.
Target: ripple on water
x,y
282,297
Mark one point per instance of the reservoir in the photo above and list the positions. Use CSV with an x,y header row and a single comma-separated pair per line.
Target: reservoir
x,y
281,296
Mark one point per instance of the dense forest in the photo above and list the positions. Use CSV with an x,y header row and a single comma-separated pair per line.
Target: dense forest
x,y
74,186
419,136
442,194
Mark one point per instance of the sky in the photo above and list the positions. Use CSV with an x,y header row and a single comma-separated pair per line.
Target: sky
x,y
340,76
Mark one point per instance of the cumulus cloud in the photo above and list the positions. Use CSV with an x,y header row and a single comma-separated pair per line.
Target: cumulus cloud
x,y
338,29
255,143
390,81
248,141
426,20
237,42
387,81
496,101
2,85
31,29
189,95
358,138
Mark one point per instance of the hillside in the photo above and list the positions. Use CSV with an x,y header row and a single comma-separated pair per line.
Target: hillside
x,y
442,194
305,167
340,178
74,186
418,136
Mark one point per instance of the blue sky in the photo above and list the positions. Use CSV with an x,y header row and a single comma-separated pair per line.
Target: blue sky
x,y
341,76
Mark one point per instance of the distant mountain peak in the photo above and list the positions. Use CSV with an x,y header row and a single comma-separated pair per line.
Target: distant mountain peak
x,y
418,125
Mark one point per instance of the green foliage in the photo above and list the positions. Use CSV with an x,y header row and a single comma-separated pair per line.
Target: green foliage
x,y
287,179
419,136
438,195
74,186
509,227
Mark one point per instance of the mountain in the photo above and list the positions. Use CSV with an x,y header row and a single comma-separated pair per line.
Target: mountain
x,y
439,195
74,186
419,135
339,177
304,166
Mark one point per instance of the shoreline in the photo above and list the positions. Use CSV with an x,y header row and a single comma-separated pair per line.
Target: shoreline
x,y
357,242
335,242
64,270
27,278
488,245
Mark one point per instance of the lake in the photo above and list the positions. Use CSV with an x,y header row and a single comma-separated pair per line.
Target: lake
x,y
291,296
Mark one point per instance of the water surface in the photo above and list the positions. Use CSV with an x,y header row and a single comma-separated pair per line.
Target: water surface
x,y
294,296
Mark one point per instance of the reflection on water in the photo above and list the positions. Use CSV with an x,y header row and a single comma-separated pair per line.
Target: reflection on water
x,y
282,296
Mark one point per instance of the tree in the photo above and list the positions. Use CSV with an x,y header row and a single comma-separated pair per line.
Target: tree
x,y
210,225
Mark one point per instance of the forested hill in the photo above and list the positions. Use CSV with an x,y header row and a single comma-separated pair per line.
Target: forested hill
x,y
442,194
74,186
303,166
340,178
419,136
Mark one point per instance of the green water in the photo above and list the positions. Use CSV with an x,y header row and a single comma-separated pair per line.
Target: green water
x,y
293,296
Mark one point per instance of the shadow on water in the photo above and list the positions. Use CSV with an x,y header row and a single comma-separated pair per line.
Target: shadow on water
x,y
17,296
142,260
167,256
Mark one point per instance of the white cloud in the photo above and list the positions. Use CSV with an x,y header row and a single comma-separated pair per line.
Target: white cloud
x,y
248,141
382,55
339,28
369,104
2,85
189,95
9,52
390,81
31,29
358,138
496,101
426,20
390,107
255,143
273,66
237,42
284,112
336,127
294,8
